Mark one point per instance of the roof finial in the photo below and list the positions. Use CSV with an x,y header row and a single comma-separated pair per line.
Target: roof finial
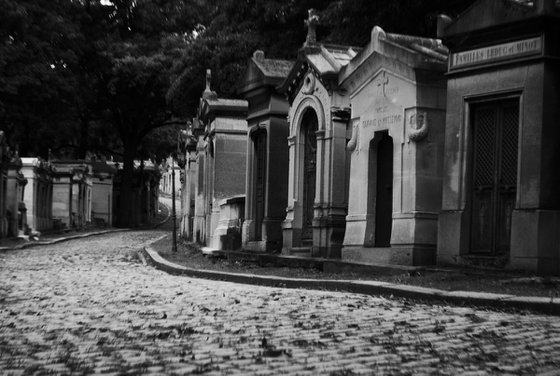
x,y
258,55
311,23
208,77
208,93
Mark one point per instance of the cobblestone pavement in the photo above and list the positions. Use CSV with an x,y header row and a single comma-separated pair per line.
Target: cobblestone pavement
x,y
90,306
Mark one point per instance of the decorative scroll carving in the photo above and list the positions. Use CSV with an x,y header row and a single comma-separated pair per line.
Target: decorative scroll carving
x,y
418,126
351,146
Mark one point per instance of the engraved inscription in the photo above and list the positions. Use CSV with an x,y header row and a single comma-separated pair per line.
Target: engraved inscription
x,y
385,121
495,53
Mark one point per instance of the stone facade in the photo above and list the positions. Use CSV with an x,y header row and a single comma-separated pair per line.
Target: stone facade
x,y
72,193
221,131
38,193
166,183
102,176
397,95
188,185
16,212
13,220
501,201
410,151
267,154
318,161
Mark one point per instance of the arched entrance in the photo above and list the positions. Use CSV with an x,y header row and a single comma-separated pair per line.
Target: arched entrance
x,y
384,190
309,126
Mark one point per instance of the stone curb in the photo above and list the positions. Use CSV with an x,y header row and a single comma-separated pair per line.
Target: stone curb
x,y
499,301
61,239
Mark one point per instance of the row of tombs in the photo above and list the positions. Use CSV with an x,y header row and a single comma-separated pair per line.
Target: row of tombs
x,y
44,196
409,150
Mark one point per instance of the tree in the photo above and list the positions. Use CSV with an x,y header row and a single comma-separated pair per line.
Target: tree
x,y
37,45
99,76
234,31
351,21
147,37
237,28
87,76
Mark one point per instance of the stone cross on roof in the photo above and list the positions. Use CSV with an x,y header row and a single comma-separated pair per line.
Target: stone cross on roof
x,y
311,23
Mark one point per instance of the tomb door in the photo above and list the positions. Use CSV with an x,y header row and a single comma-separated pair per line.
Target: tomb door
x,y
384,191
494,176
309,129
260,181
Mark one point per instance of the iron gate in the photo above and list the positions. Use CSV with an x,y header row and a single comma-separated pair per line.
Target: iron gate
x,y
494,178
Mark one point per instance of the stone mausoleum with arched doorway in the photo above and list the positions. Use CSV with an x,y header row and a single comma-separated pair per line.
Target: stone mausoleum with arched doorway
x,y
318,163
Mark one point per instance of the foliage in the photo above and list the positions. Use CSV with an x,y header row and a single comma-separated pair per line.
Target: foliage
x,y
37,46
237,28
351,21
79,76
109,78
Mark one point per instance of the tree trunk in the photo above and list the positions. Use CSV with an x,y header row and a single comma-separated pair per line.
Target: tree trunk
x,y
126,216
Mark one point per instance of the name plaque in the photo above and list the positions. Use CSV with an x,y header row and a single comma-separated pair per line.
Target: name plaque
x,y
383,116
491,54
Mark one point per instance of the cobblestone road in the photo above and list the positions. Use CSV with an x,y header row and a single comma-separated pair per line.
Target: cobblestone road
x,y
88,306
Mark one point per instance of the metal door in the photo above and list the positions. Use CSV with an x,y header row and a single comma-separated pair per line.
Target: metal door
x,y
260,183
494,178
309,174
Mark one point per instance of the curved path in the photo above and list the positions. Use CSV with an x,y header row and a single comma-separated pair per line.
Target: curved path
x,y
89,306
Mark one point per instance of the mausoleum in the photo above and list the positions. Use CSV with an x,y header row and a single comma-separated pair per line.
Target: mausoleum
x,y
189,184
396,88
501,189
102,176
72,186
222,153
16,212
12,183
318,161
38,193
267,153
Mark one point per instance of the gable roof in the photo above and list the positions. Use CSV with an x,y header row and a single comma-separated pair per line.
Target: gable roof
x,y
264,72
325,60
272,68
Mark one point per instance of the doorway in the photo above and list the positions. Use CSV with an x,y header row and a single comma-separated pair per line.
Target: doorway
x,y
495,127
384,191
259,140
309,128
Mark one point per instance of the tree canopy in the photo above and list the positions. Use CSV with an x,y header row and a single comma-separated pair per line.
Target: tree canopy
x,y
109,77
86,76
237,28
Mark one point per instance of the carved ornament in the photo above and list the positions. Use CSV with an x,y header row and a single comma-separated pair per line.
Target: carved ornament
x,y
418,126
308,84
351,146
